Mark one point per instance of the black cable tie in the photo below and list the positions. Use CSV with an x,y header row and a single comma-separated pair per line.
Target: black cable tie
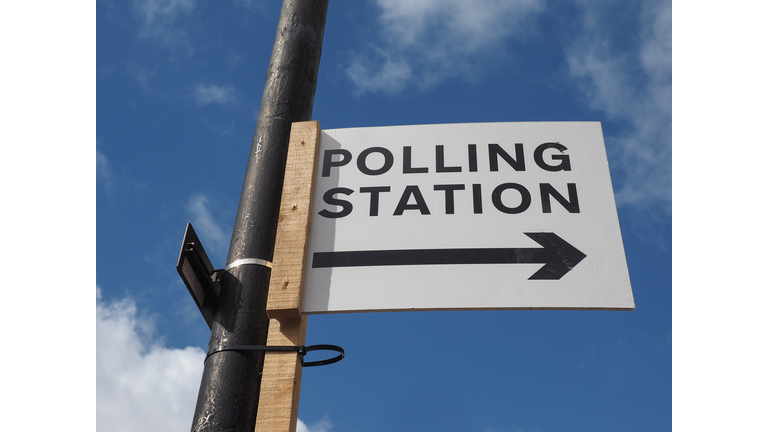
x,y
338,349
301,350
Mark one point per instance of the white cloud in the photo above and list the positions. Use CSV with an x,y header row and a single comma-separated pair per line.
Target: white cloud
x,y
424,42
632,86
117,182
158,21
207,228
163,10
381,73
250,4
458,25
140,384
141,74
104,170
324,425
214,94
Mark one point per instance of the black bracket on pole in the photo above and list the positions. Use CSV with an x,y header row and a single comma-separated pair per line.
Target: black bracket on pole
x,y
198,275
203,283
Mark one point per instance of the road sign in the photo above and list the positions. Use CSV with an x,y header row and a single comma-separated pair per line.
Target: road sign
x,y
465,216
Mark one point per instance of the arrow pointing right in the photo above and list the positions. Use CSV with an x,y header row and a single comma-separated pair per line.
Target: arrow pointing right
x,y
557,255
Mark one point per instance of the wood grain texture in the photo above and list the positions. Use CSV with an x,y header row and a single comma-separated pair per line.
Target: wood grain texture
x,y
287,281
281,381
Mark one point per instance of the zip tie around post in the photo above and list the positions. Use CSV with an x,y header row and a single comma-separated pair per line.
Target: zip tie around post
x,y
301,350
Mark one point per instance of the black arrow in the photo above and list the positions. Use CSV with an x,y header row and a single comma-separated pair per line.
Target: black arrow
x,y
557,255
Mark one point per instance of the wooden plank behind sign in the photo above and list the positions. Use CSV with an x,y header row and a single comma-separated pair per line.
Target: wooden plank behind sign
x,y
281,378
286,285
281,381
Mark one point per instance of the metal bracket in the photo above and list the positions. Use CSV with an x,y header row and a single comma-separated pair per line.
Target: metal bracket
x,y
198,275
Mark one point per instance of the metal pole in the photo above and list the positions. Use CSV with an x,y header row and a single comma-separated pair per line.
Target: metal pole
x,y
229,392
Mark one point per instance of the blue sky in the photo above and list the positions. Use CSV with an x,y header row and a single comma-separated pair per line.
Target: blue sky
x,y
178,85
177,88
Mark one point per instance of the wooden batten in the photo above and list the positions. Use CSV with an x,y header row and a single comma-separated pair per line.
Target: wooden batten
x,y
281,379
287,282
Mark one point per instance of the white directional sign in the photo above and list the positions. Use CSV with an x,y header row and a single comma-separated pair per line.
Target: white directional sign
x,y
465,216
